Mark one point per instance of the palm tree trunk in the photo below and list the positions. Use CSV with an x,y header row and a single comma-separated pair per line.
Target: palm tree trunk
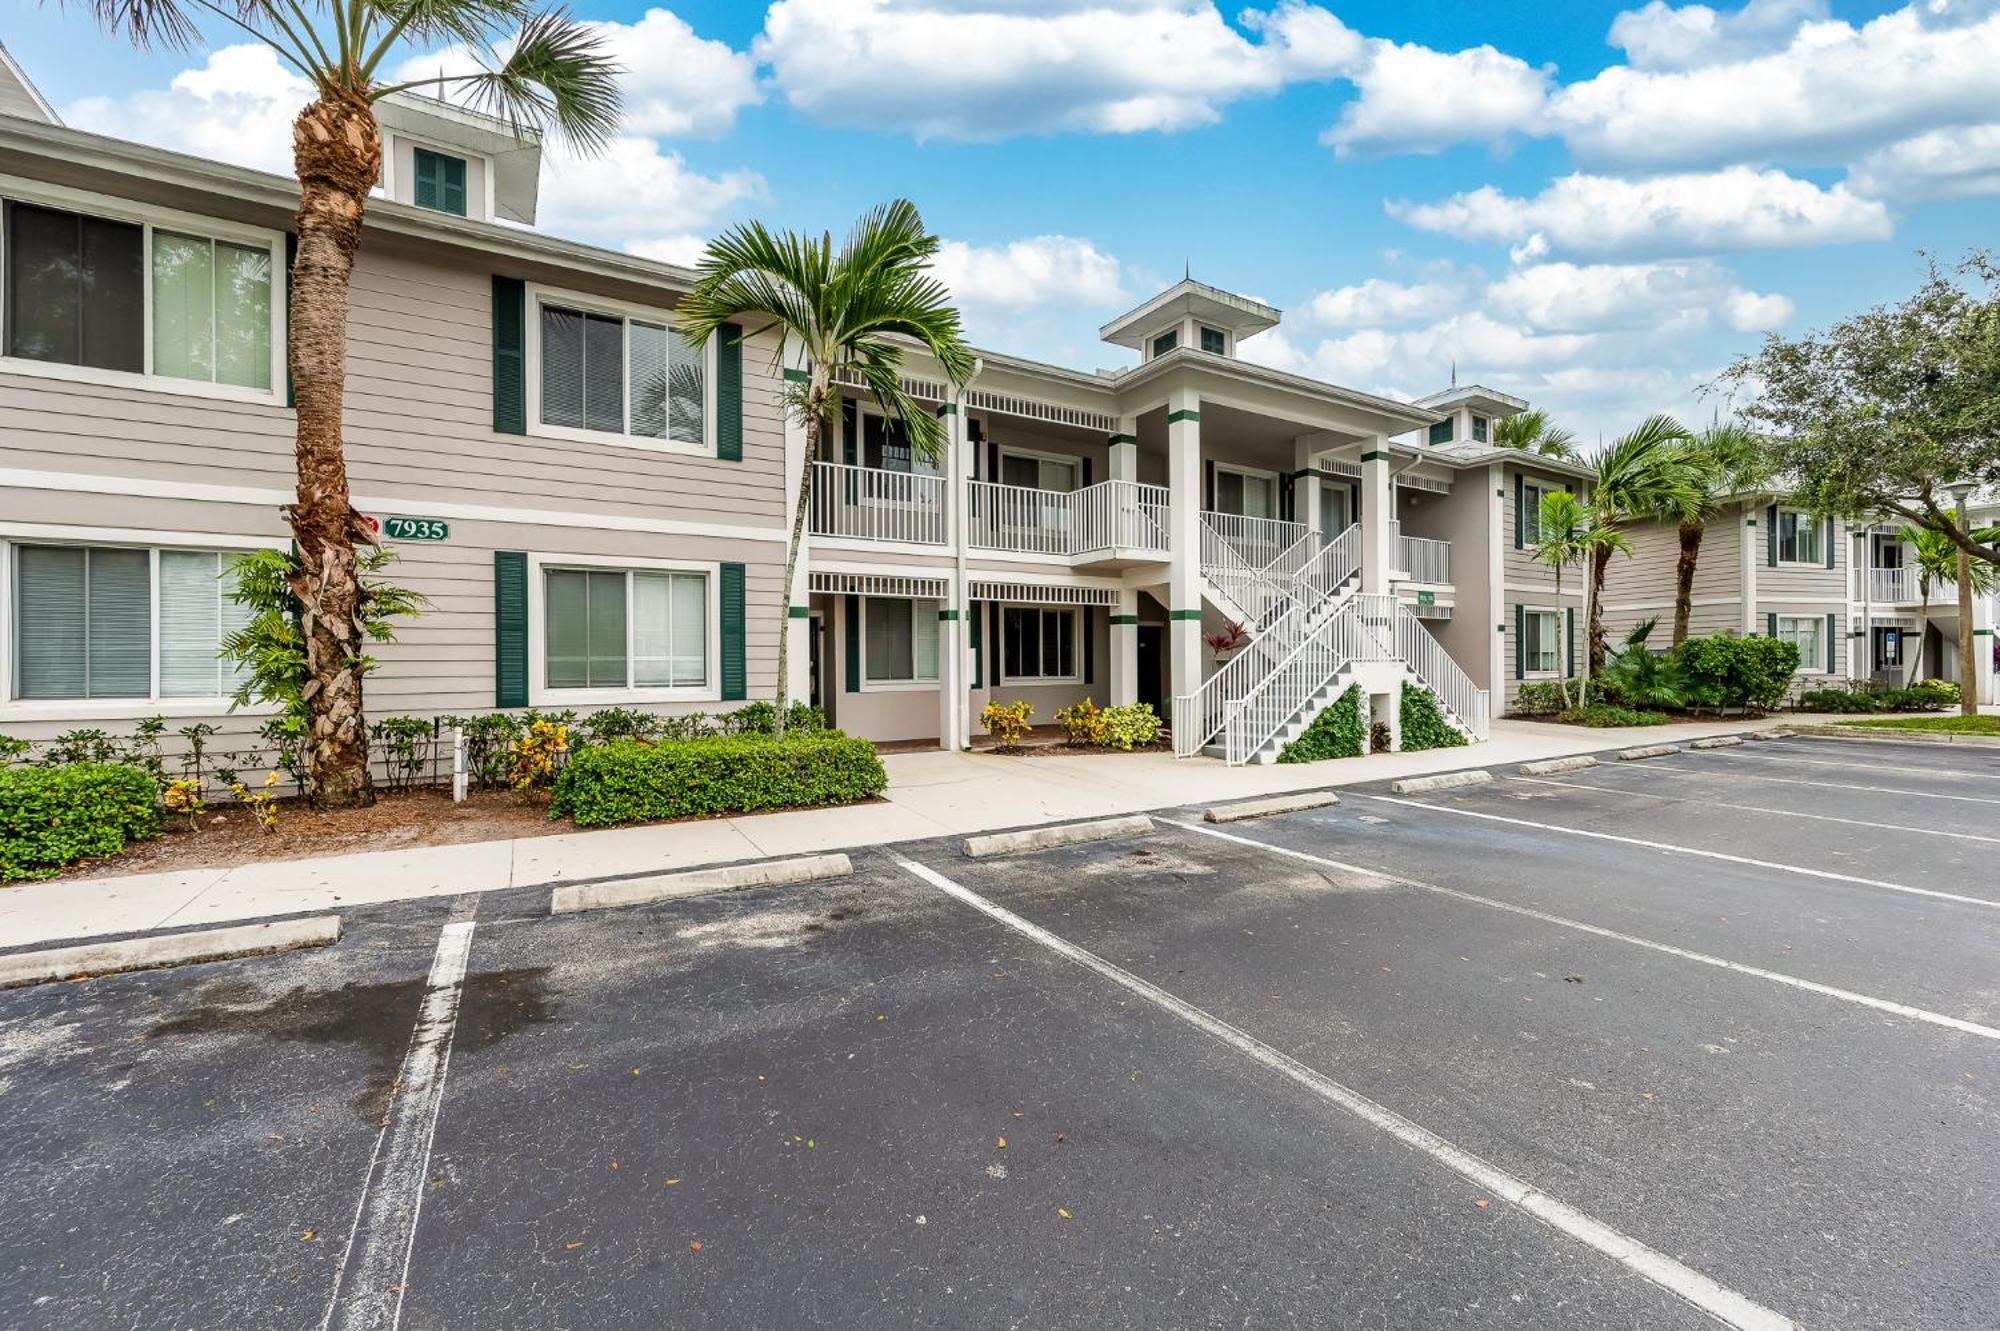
x,y
338,152
813,427
1923,635
1691,534
1600,561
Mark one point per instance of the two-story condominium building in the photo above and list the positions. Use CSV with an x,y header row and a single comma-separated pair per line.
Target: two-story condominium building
x,y
598,512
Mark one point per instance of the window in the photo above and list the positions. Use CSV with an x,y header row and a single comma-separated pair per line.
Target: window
x,y
440,181
1479,429
85,292
1541,642
1037,644
624,629
1531,511
1808,634
885,445
1245,495
606,373
1441,432
1214,342
1036,472
1800,538
84,618
1166,341
899,640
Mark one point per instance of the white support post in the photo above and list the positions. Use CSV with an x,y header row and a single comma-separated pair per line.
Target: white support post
x,y
798,600
1123,450
1377,556
1125,649
1184,647
1305,484
951,615
1753,555
1986,684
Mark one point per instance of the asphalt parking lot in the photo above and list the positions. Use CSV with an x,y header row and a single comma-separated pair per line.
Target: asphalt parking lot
x,y
1711,1039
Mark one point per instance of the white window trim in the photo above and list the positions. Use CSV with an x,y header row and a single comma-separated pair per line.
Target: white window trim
x,y
95,709
1228,339
151,219
863,410
1825,667
1076,653
1521,648
539,692
1075,461
388,186
1820,526
1530,516
897,685
616,309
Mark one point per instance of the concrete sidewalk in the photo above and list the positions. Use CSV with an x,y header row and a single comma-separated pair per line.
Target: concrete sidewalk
x,y
930,794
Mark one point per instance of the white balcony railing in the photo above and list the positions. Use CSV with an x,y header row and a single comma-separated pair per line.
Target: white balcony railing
x,y
1903,586
870,504
1423,559
1261,541
1106,516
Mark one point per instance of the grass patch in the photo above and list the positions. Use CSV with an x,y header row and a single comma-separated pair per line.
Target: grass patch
x,y
1937,725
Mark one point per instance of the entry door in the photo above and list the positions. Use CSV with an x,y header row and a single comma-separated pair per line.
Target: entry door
x,y
1151,663
814,658
1333,517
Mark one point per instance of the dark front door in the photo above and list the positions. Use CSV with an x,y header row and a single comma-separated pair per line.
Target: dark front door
x,y
813,656
1152,666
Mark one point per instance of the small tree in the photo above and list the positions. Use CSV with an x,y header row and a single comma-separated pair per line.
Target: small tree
x,y
1887,409
1571,534
1726,461
1645,473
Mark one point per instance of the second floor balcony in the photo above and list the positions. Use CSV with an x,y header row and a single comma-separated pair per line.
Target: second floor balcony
x,y
1904,586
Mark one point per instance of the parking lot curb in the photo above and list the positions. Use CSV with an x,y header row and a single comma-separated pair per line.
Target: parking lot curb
x,y
1773,734
1557,766
1417,785
1647,751
1057,834
154,951
1264,808
1881,736
1716,742
614,892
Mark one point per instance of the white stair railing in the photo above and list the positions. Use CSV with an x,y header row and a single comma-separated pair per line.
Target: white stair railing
x,y
1259,597
1433,666
1198,716
1361,630
1337,561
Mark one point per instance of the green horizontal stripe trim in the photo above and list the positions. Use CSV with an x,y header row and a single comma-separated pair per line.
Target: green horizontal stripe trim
x,y
1376,455
798,376
948,409
947,614
1118,439
1982,633
1124,619
801,612
1184,614
1176,416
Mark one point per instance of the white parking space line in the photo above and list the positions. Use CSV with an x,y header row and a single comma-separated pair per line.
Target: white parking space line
x,y
1787,760
1672,849
374,1268
1824,785
1723,1304
1752,808
1924,1015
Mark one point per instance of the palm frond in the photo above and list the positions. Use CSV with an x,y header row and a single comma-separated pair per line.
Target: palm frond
x,y
430,23
148,24
559,75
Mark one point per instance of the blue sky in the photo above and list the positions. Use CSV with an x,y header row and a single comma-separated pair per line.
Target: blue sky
x,y
1592,206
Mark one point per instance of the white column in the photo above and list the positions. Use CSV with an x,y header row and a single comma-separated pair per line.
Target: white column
x,y
1496,588
1860,638
1377,556
951,614
1123,450
1125,649
1305,485
1184,648
1753,555
1983,615
798,614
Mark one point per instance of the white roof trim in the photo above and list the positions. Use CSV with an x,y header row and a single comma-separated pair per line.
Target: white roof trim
x,y
9,65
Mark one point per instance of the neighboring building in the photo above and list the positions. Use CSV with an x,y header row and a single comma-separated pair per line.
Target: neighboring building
x,y
598,514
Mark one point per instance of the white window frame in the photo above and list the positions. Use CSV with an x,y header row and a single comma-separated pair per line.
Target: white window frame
x,y
868,685
1820,537
539,692
1482,430
613,309
1077,630
88,709
1825,664
150,219
1270,479
862,411
1530,516
1556,615
1223,333
1074,460
389,178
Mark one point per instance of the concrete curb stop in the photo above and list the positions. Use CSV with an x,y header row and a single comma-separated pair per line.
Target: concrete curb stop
x,y
1417,785
1648,751
1716,742
1772,734
609,893
1058,834
153,951
1557,766
1264,808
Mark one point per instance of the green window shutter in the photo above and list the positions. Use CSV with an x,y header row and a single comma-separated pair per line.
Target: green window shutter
x,y
1569,640
1520,516
729,394
974,618
510,355
1831,663
510,628
291,258
451,185
852,623
1087,624
850,447
426,164
1520,642
1771,537
1771,625
735,682
1208,486
1829,542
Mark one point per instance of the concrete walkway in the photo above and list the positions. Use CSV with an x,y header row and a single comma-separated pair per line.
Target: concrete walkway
x,y
930,794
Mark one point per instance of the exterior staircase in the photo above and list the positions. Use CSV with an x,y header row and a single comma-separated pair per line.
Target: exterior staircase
x,y
1310,632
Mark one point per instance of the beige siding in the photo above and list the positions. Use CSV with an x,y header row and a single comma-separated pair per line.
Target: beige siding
x,y
15,99
1520,566
1461,517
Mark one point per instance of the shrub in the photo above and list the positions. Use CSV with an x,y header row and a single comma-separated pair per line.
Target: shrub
x,y
406,743
12,748
50,816
1423,721
535,756
1080,721
754,718
1337,732
1600,715
487,741
627,781
1843,700
80,746
1007,722
1109,727
614,723
1723,670
1541,697
1932,695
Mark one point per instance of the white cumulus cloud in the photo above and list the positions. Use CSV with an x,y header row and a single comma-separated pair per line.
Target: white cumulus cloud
x,y
1414,99
1664,36
1679,296
1381,300
634,192
1940,164
237,106
1036,271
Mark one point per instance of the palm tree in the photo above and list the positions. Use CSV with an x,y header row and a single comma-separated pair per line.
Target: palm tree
x,y
1726,460
1937,566
1645,473
1570,533
555,74
1533,432
850,314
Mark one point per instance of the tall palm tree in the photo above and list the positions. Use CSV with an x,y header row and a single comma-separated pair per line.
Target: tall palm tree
x,y
1572,533
1644,473
555,73
1726,461
1532,431
849,313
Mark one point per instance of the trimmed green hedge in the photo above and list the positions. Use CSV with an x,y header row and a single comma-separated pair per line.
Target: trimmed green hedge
x,y
1337,732
1424,726
1928,695
50,816
629,781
